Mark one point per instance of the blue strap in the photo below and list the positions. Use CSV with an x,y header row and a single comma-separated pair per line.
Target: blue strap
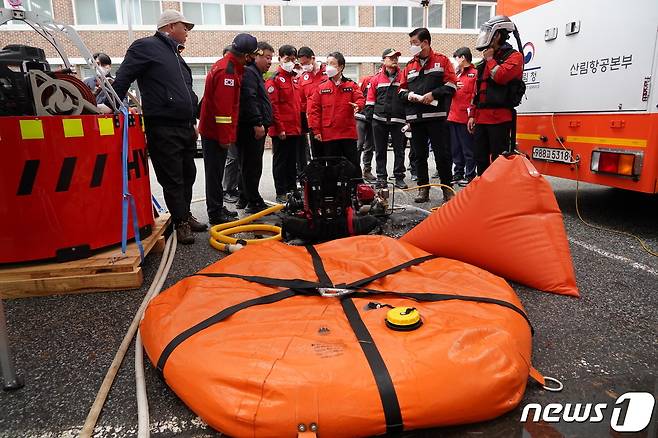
x,y
128,201
157,205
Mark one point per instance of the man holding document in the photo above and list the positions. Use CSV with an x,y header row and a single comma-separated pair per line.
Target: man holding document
x,y
427,85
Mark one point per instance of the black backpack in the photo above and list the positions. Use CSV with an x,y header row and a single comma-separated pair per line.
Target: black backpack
x,y
328,187
509,95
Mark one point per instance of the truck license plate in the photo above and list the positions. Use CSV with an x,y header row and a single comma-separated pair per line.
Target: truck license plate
x,y
550,154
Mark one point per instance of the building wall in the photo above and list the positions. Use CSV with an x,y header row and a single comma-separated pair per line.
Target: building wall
x,y
362,47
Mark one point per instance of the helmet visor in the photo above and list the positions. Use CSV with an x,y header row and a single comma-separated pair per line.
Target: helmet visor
x,y
484,38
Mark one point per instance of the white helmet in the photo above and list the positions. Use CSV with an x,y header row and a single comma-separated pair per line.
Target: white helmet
x,y
489,29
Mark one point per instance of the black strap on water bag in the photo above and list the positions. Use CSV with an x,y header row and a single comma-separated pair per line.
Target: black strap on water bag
x,y
294,283
393,270
385,385
218,317
318,266
432,298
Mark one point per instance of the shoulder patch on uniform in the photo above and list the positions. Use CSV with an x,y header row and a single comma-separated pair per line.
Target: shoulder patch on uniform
x,y
437,64
229,82
282,79
271,89
306,77
325,91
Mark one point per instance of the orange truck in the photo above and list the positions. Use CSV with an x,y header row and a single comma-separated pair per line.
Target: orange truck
x,y
590,112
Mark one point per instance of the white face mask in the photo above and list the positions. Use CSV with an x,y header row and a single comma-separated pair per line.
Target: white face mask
x,y
415,50
106,70
308,68
331,71
288,66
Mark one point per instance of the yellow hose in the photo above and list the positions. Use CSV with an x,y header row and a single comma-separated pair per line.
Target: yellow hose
x,y
220,234
430,185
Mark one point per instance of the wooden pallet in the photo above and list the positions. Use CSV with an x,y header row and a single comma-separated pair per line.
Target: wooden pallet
x,y
107,270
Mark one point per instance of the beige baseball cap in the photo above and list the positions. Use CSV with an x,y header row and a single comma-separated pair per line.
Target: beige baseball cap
x,y
170,16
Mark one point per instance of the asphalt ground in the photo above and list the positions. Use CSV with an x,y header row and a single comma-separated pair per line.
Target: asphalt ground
x,y
600,346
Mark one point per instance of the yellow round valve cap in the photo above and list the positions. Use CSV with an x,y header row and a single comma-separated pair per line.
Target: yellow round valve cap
x,y
403,318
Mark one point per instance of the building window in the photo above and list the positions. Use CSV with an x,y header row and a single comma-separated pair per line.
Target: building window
x,y
330,15
382,16
240,15
348,16
199,72
402,16
318,16
144,11
476,14
352,71
96,12
309,16
290,16
44,7
203,13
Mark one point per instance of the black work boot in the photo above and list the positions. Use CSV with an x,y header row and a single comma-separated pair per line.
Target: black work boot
x,y
195,225
184,233
225,215
447,194
423,195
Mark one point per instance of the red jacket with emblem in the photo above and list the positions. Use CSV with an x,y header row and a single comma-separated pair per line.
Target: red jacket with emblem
x,y
505,65
330,113
284,94
463,98
221,101
435,75
308,82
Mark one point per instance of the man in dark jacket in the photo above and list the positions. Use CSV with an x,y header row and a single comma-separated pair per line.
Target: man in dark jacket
x,y
170,108
388,117
255,118
427,85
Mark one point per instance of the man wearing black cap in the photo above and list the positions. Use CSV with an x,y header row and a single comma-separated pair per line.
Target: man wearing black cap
x,y
388,117
170,111
255,118
219,120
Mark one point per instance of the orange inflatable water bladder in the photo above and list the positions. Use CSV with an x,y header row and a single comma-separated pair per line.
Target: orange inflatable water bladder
x,y
355,337
508,222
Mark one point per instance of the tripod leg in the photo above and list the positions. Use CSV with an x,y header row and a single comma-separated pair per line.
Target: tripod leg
x,y
11,380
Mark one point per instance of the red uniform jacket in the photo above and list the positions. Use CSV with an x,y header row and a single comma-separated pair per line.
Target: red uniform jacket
x,y
510,68
221,101
329,111
463,98
364,86
284,94
308,82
